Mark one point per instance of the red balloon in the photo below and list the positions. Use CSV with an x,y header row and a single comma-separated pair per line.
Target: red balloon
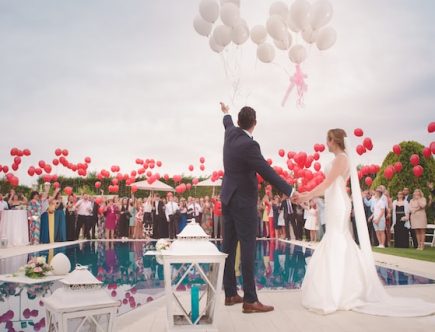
x,y
56,185
114,181
290,154
166,177
281,152
317,166
269,161
321,147
202,160
360,149
426,152
47,168
38,171
82,172
65,152
389,172
26,152
68,190
316,156
431,127
55,162
368,144
149,173
41,163
159,163
188,186
139,161
191,168
358,132
152,166
195,181
31,171
115,188
46,178
415,160
418,171
5,169
17,160
97,184
133,189
87,160
14,151
397,149
432,147
14,167
368,180
397,167
202,167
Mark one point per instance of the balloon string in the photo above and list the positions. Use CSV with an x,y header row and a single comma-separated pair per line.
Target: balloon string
x,y
298,80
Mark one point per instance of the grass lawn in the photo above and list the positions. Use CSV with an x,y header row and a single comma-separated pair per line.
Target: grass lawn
x,y
428,254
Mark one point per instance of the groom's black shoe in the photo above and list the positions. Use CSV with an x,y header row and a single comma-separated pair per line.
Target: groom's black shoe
x,y
250,308
233,300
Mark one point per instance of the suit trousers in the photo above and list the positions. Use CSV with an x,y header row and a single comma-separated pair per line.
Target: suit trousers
x,y
240,225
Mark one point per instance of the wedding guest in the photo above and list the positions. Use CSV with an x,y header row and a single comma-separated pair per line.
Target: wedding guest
x,y
16,200
59,219
132,209
320,203
259,217
388,217
147,216
139,217
276,206
312,222
172,212
207,216
193,209
217,218
368,200
183,214
3,203
34,216
111,214
417,207
431,202
70,219
286,207
406,194
160,225
299,222
266,207
378,217
124,218
400,221
94,217
84,214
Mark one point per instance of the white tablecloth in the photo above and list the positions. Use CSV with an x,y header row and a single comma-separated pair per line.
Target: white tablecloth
x,y
14,227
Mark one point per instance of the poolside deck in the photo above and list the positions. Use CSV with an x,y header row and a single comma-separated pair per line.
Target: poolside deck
x,y
288,315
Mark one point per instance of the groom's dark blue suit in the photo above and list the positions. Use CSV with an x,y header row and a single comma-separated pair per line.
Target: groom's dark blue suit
x,y
239,195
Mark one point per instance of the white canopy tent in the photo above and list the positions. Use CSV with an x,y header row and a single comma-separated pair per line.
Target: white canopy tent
x,y
210,183
155,186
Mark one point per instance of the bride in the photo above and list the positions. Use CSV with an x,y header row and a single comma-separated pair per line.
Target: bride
x,y
341,275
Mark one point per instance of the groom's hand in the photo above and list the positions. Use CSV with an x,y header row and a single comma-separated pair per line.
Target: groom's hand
x,y
224,108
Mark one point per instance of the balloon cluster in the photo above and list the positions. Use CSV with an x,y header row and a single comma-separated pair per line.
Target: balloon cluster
x,y
367,144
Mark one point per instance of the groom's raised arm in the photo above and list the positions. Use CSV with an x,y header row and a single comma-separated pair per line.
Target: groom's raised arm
x,y
228,121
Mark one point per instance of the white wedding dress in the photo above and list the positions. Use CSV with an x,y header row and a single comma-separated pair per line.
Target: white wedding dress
x,y
341,275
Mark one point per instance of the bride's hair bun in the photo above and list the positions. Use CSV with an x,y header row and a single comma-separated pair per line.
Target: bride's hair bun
x,y
337,136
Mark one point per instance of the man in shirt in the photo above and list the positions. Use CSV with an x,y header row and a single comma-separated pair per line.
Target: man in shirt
x,y
3,204
84,215
172,213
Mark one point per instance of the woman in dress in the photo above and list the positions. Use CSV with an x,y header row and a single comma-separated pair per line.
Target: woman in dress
x,y
16,200
147,216
34,212
266,210
183,214
70,218
417,205
111,214
378,217
132,210
312,223
400,221
138,228
340,275
207,219
124,218
59,219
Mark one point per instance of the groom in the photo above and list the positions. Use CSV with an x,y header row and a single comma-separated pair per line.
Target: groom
x,y
242,160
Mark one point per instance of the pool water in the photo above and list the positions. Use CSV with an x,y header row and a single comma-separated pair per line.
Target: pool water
x,y
136,279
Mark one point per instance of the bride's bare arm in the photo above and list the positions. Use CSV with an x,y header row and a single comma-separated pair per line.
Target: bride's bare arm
x,y
339,167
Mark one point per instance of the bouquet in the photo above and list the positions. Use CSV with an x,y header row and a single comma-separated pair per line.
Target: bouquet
x,y
36,267
162,244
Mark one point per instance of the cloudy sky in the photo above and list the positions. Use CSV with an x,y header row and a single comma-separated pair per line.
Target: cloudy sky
x,y
118,80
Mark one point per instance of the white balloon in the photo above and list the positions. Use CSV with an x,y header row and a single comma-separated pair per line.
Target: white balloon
x,y
310,35
326,38
222,35
291,24
320,14
265,52
279,8
297,54
299,11
258,34
276,27
240,33
209,10
230,14
202,26
236,2
284,44
60,264
215,47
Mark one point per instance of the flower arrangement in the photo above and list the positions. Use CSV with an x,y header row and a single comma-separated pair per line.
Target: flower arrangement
x,y
162,244
36,267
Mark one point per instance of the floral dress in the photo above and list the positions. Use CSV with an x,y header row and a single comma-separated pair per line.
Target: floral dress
x,y
34,212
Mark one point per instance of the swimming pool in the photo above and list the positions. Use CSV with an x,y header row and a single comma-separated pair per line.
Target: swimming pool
x,y
136,279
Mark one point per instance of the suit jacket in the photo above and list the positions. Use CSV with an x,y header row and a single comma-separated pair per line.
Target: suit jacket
x,y
284,207
242,160
161,210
